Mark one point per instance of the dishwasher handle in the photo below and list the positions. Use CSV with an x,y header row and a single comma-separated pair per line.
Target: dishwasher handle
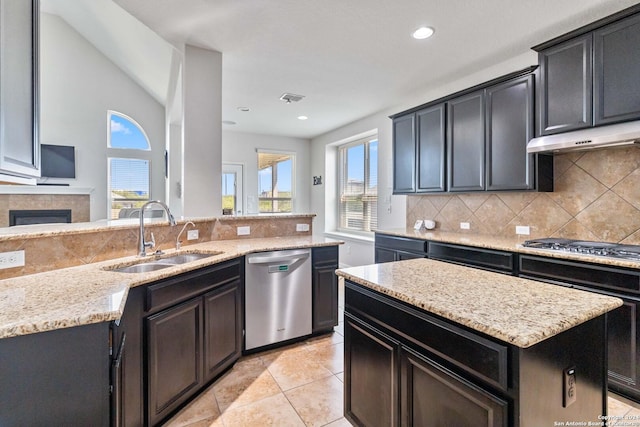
x,y
291,256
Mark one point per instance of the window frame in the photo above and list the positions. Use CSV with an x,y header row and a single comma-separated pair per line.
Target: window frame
x,y
124,153
274,176
342,181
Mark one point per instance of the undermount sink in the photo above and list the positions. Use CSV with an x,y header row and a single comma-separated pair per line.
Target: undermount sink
x,y
146,265
184,258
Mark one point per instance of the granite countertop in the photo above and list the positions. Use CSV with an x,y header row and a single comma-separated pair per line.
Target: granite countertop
x,y
517,311
513,244
87,294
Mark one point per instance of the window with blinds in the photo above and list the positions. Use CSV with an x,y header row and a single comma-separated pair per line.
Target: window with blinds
x,y
358,185
129,166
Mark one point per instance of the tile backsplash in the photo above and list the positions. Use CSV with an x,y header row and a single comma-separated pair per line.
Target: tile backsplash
x,y
60,250
596,197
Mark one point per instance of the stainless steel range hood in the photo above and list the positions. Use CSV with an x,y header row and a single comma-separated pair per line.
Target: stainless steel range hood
x,y
600,137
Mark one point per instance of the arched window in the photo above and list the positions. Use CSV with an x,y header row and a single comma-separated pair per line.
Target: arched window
x,y
129,166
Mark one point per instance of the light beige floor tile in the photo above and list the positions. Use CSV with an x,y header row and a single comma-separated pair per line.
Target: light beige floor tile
x,y
329,356
340,328
616,407
342,422
269,355
295,369
204,407
319,402
327,339
247,382
273,411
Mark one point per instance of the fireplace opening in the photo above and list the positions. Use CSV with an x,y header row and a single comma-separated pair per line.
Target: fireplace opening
x,y
39,216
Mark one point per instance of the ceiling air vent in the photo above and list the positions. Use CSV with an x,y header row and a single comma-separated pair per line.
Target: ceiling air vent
x,y
291,97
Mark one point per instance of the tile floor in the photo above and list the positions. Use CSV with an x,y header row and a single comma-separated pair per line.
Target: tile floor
x,y
297,385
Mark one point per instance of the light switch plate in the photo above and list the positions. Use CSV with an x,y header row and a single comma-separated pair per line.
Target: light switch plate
x,y
465,226
11,259
244,231
523,230
302,227
192,234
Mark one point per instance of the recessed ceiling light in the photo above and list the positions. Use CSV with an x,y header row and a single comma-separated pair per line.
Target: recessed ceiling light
x,y
228,122
244,109
423,33
302,117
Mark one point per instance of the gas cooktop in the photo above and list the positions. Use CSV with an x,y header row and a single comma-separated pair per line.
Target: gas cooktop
x,y
612,250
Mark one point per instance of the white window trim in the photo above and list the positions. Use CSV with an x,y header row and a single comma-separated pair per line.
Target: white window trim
x,y
363,138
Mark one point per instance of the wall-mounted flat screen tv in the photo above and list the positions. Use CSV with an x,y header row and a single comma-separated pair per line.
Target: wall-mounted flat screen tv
x,y
57,161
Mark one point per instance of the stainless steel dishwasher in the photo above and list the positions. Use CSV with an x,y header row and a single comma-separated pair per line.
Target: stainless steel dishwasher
x,y
277,296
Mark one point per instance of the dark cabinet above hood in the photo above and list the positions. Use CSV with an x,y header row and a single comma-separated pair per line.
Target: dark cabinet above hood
x,y
600,137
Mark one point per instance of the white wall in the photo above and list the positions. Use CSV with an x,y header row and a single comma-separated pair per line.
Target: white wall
x,y
202,158
77,86
240,147
391,209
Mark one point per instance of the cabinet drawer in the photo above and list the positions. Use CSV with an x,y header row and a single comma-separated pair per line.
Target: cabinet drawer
x,y
479,356
484,258
577,273
324,255
184,286
401,243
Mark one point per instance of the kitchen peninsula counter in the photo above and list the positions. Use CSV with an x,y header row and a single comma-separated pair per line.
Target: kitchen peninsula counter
x,y
433,343
91,293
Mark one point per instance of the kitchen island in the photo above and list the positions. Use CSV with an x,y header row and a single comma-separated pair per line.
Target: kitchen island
x,y
431,343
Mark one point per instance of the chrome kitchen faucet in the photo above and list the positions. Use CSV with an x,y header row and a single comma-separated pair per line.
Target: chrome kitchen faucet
x,y
152,243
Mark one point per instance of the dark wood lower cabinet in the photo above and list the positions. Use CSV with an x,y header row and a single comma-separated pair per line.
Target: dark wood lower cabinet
x,y
174,357
324,288
56,378
371,370
432,395
222,328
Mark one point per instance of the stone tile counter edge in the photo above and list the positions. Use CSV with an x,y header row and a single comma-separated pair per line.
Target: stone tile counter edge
x,y
517,311
88,294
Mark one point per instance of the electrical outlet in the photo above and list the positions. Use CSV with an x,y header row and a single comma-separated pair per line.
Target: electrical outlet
x,y
244,231
523,229
302,227
569,386
465,226
11,259
192,234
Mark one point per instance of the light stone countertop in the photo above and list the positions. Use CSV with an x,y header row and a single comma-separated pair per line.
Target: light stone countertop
x,y
517,311
504,244
87,294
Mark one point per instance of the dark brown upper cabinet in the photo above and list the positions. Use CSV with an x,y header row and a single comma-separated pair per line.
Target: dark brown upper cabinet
x,y
431,146
473,140
616,72
509,127
566,89
589,77
465,142
404,154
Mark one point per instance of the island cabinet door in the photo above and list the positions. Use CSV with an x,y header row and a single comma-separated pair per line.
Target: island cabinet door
x,y
371,375
431,395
